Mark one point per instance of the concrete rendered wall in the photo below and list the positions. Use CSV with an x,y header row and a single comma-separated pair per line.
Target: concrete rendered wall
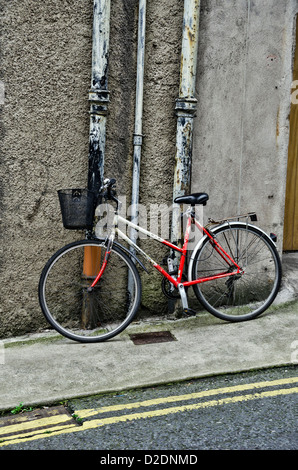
x,y
241,128
243,90
46,68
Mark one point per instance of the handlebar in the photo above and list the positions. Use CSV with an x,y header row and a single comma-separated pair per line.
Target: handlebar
x,y
108,182
107,190
107,186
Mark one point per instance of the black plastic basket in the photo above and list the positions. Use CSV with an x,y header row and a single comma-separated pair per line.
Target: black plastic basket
x,y
77,208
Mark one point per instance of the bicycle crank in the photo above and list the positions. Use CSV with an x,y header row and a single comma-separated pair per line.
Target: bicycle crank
x,y
169,290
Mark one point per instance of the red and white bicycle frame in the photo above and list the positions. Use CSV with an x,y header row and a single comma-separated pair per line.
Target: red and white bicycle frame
x,y
175,280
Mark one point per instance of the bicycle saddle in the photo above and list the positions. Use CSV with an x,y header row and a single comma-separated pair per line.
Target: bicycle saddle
x,y
193,199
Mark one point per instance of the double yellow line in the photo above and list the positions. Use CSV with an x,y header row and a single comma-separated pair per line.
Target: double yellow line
x,y
60,424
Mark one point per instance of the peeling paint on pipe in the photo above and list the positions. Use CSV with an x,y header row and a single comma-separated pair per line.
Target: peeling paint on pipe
x,y
189,52
185,107
98,94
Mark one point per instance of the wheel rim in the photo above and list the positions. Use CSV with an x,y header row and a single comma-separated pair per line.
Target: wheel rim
x,y
244,295
81,314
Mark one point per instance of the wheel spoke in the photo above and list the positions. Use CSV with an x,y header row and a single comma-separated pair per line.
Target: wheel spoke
x,y
242,296
89,315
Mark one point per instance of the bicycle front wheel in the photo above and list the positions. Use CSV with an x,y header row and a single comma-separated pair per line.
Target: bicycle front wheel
x,y
84,315
242,296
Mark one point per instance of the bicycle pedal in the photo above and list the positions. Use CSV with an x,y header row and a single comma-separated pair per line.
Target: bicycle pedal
x,y
189,312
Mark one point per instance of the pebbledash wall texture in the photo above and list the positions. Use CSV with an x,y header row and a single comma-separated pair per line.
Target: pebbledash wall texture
x,y
244,74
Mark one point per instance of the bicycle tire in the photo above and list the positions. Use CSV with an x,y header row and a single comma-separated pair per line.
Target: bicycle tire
x,y
239,297
82,315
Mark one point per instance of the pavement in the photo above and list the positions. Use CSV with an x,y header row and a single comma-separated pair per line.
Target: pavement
x,y
40,369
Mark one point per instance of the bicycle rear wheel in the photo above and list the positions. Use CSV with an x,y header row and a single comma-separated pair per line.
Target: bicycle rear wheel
x,y
242,296
89,316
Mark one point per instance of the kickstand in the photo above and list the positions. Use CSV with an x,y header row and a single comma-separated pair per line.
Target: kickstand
x,y
186,310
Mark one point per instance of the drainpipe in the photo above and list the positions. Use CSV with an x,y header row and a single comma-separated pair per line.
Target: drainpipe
x,y
98,94
138,137
185,108
99,99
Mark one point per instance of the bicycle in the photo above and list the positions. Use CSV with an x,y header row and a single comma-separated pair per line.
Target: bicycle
x,y
90,290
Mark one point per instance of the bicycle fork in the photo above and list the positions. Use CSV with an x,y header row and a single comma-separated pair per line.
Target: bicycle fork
x,y
104,264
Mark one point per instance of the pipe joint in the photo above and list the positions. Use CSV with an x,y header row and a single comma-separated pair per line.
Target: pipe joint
x,y
99,100
138,139
186,106
99,96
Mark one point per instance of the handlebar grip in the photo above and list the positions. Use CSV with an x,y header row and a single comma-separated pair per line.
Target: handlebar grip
x,y
109,182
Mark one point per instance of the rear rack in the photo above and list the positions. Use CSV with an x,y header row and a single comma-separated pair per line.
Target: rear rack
x,y
250,215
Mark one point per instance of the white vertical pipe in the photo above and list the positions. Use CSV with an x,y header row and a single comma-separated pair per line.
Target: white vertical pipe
x,y
138,138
